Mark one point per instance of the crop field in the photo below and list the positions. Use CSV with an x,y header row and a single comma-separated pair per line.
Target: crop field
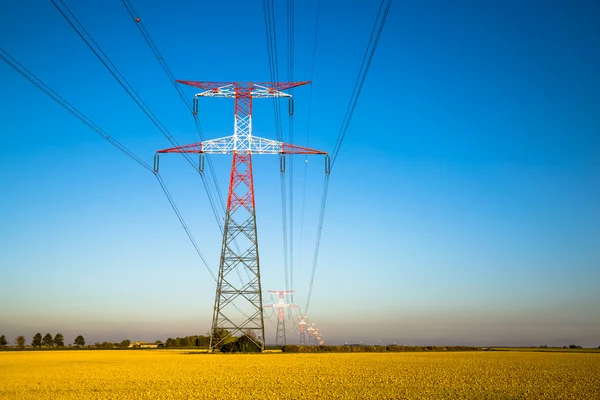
x,y
165,374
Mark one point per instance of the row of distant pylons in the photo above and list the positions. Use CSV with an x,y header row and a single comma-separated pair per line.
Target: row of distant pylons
x,y
314,337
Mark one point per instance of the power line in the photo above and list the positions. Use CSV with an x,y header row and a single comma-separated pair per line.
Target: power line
x,y
83,118
113,70
290,6
183,224
146,35
271,35
306,142
163,63
7,58
360,80
318,242
362,75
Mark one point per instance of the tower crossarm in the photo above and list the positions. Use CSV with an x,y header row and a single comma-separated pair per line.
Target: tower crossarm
x,y
280,293
281,305
188,148
255,90
251,144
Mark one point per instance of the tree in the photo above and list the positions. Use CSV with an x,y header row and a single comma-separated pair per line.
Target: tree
x,y
170,342
47,341
59,340
125,343
20,341
37,340
222,336
3,341
184,342
249,343
79,341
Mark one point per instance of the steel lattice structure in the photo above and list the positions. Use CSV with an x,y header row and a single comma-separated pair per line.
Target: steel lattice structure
x,y
302,325
281,305
238,308
311,333
317,337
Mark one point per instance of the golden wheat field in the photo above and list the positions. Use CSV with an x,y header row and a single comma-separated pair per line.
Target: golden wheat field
x,y
165,374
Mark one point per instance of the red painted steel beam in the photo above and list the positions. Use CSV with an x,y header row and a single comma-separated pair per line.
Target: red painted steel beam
x,y
293,149
188,148
216,85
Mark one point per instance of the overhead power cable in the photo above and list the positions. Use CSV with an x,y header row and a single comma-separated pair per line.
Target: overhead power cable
x,y
317,242
183,224
290,24
113,70
362,74
271,35
306,141
163,63
78,27
171,77
13,63
360,80
7,58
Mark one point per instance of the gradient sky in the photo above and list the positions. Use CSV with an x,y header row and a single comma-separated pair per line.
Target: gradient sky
x,y
464,206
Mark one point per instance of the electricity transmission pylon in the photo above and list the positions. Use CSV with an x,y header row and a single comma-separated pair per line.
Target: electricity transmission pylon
x,y
318,339
238,308
281,305
311,332
302,325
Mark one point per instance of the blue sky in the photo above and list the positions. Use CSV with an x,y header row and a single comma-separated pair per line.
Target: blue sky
x,y
463,207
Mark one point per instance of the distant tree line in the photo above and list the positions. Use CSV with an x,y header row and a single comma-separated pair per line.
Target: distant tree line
x,y
290,348
47,341
571,346
245,343
188,341
58,341
110,345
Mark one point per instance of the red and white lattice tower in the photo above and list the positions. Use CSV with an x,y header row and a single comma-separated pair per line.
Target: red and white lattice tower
x,y
311,333
317,337
281,305
302,325
238,307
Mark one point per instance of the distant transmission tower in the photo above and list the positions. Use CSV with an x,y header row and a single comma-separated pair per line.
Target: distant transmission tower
x,y
238,308
302,325
281,305
311,333
317,337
